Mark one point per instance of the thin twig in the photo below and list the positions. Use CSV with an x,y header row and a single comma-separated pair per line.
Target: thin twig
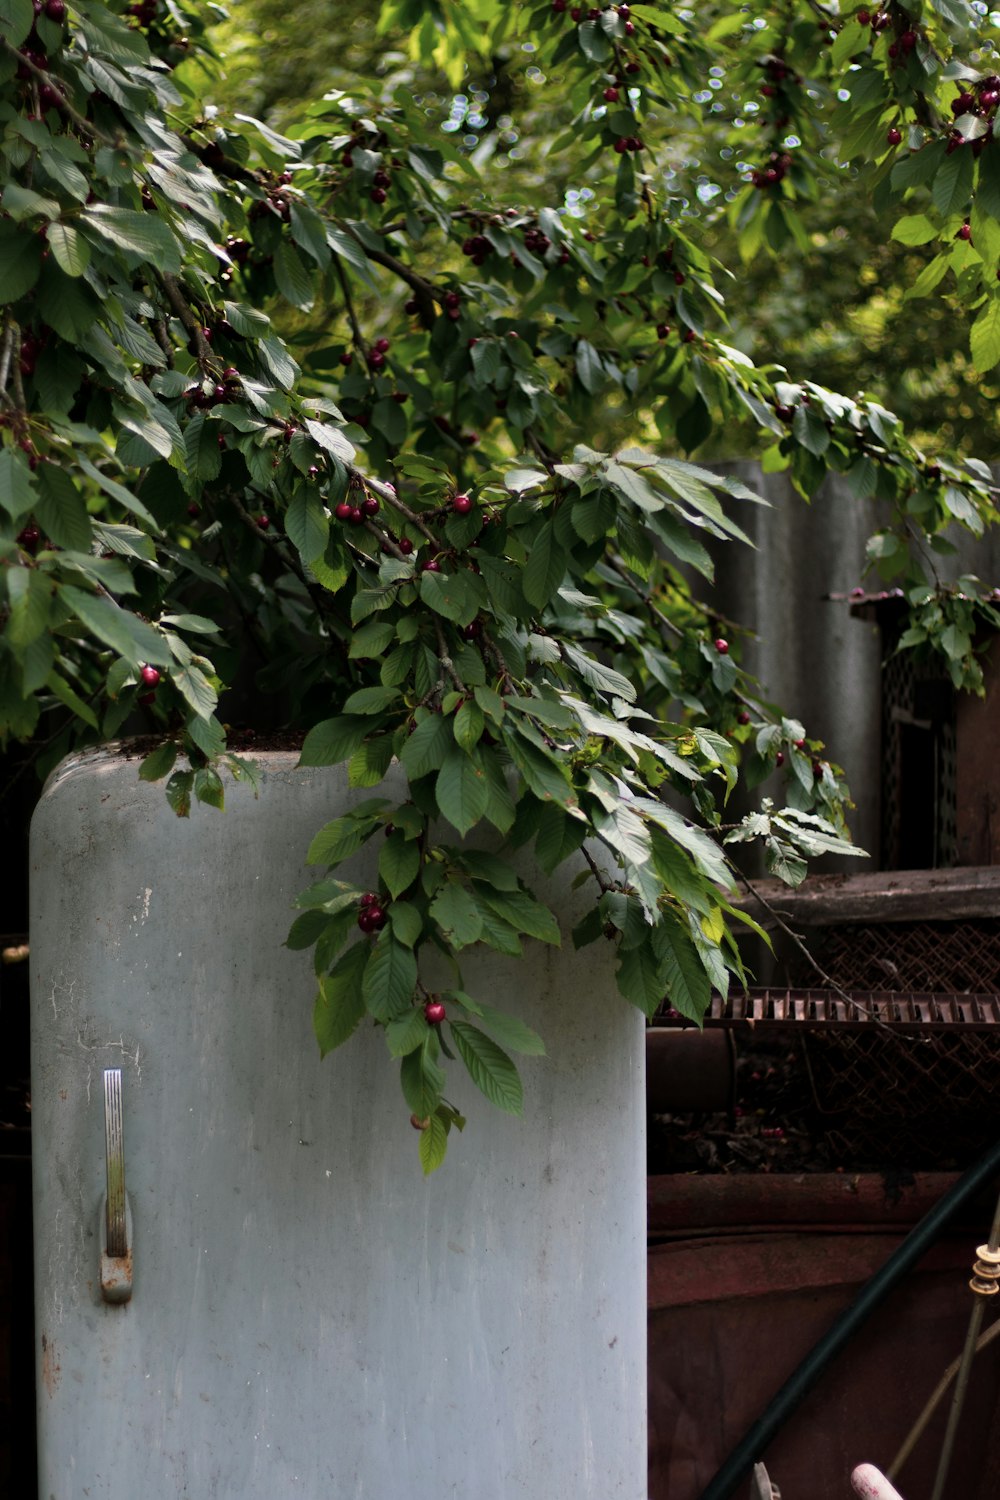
x,y
6,350
345,287
80,121
827,979
445,657
182,308
422,290
604,884
387,493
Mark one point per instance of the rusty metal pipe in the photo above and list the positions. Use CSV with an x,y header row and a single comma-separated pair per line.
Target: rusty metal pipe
x,y
752,1445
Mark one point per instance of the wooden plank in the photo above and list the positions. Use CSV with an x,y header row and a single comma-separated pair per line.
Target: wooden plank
x,y
883,896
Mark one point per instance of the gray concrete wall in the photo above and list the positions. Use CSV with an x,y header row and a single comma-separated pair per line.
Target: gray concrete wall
x,y
311,1316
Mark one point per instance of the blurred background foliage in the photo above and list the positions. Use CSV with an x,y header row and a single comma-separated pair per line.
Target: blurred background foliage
x,y
829,304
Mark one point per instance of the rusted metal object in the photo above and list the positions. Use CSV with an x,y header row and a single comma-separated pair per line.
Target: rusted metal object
x,y
897,1077
782,1006
735,1306
689,1070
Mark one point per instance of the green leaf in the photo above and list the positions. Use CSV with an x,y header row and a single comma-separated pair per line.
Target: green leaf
x,y
178,792
129,636
433,1144
293,279
337,840
589,370
20,261
16,20
17,488
544,569
334,740
984,337
158,762
307,524
523,912
456,913
147,237
390,978
196,690
208,787
60,510
469,724
428,746
489,1067
72,701
30,596
399,862
309,231
914,229
952,187
689,989
421,1079
339,1002
450,595
406,1032
639,977
70,249
519,480
406,922
306,929
508,1029
603,679
462,789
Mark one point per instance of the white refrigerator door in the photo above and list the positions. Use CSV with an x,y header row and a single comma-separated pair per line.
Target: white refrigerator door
x,y
310,1315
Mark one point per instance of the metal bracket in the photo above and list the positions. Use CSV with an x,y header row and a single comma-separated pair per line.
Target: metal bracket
x,y
115,1227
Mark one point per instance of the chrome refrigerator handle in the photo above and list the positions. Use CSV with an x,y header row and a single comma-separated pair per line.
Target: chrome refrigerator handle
x,y
116,1218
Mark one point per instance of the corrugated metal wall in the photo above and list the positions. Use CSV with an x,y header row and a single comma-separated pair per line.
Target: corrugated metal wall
x,y
810,655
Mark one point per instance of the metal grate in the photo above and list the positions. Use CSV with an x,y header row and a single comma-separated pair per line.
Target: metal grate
x,y
925,956
898,1079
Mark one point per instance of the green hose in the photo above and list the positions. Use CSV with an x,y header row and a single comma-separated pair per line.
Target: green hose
x,y
750,1448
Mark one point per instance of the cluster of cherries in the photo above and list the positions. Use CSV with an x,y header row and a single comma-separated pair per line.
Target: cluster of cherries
x,y
357,512
381,181
777,169
143,11
580,13
33,52
372,915
478,248
29,537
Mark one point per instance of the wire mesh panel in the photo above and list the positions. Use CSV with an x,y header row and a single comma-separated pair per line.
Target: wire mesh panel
x,y
903,1098
941,957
